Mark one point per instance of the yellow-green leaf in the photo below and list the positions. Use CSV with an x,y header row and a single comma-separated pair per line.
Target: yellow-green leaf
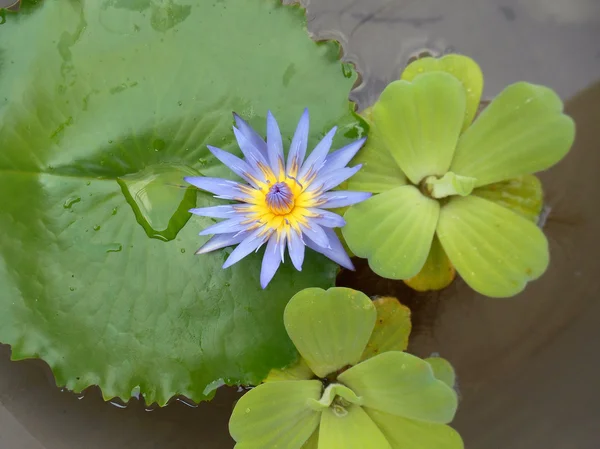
x,y
462,67
437,273
393,230
419,123
523,195
392,327
495,250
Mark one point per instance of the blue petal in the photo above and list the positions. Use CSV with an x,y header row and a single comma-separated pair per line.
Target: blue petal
x,y
316,233
314,162
249,244
335,252
295,246
227,211
274,145
341,157
271,259
252,136
236,165
298,146
227,226
326,218
224,188
333,178
253,156
342,198
221,241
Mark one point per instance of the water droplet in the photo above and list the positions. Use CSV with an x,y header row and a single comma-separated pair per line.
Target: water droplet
x,y
227,285
187,402
70,201
114,211
114,248
202,162
347,70
213,386
117,404
110,141
157,198
182,250
135,392
72,289
180,103
159,144
88,183
248,410
96,228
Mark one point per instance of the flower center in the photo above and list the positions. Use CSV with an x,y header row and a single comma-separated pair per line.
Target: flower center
x,y
280,199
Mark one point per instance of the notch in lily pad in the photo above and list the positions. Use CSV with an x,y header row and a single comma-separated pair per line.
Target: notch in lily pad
x,y
159,199
353,385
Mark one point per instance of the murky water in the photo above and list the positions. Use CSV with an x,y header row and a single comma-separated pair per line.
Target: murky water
x,y
526,366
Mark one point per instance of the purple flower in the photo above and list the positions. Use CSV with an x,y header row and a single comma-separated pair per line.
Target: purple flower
x,y
281,204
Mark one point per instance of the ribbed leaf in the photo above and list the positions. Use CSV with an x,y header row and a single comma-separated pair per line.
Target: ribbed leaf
x,y
403,385
393,230
522,131
403,433
462,67
495,250
330,328
349,429
276,414
419,123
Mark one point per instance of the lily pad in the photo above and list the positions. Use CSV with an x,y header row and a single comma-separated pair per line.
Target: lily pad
x,y
105,105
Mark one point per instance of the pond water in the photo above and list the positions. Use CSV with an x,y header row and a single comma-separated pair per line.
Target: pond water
x,y
526,367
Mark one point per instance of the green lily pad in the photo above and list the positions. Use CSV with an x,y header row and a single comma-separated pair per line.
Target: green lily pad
x,y
104,106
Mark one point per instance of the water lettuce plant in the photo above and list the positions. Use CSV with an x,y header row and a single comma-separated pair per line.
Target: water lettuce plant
x,y
106,106
342,394
282,204
432,171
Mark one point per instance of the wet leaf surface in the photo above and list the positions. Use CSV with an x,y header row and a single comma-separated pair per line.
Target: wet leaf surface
x,y
104,106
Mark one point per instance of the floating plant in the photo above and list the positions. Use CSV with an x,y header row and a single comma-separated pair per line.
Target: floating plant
x,y
440,180
341,394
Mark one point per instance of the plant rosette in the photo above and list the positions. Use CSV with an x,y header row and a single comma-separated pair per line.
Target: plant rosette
x,y
451,193
353,387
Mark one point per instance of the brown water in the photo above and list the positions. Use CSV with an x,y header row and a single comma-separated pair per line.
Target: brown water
x,y
527,366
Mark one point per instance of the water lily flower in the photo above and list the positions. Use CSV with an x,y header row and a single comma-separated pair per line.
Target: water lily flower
x,y
338,399
280,204
441,182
